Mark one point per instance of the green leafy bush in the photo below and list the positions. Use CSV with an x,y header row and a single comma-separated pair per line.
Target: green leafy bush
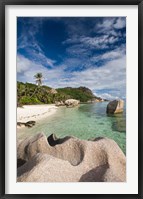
x,y
27,100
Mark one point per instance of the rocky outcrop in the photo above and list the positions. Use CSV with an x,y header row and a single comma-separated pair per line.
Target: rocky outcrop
x,y
72,102
115,106
28,124
70,160
53,91
68,103
59,103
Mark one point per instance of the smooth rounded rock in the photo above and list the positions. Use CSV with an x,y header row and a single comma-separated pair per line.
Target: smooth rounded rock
x,y
115,106
72,102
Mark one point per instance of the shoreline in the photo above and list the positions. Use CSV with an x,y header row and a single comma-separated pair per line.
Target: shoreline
x,y
35,112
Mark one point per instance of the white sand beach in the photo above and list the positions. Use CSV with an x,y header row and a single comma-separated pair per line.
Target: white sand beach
x,y
34,112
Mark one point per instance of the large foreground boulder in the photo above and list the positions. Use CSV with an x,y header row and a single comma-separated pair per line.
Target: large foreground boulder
x,y
115,106
70,160
72,102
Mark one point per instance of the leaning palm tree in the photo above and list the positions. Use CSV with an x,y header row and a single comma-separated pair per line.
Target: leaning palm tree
x,y
39,78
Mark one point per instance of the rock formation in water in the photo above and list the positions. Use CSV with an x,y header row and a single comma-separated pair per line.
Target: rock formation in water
x,y
42,159
28,124
72,102
68,103
115,106
59,103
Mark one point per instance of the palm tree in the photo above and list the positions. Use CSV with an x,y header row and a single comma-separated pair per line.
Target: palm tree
x,y
39,78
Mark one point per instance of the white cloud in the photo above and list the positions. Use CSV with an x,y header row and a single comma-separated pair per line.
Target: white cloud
x,y
40,57
110,25
106,96
26,69
29,43
97,42
35,51
120,23
23,64
22,42
106,24
78,50
84,45
110,76
110,55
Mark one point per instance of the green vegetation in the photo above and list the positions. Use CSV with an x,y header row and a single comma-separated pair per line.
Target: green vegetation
x,y
28,93
83,94
29,100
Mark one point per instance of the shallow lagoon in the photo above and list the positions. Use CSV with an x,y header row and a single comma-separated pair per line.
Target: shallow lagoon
x,y
85,122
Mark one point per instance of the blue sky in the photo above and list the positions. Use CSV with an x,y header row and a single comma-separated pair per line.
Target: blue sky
x,y
74,51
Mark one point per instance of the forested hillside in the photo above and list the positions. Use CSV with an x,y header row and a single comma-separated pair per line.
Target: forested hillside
x,y
28,93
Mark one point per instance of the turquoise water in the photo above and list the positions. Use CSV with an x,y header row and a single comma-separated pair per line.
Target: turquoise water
x,y
85,122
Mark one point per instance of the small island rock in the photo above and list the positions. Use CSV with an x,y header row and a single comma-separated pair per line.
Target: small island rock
x,y
115,106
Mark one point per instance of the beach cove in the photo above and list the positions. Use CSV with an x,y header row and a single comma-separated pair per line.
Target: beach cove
x,y
85,121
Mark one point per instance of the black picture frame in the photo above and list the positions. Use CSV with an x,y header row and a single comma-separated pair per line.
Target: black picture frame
x,y
3,3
